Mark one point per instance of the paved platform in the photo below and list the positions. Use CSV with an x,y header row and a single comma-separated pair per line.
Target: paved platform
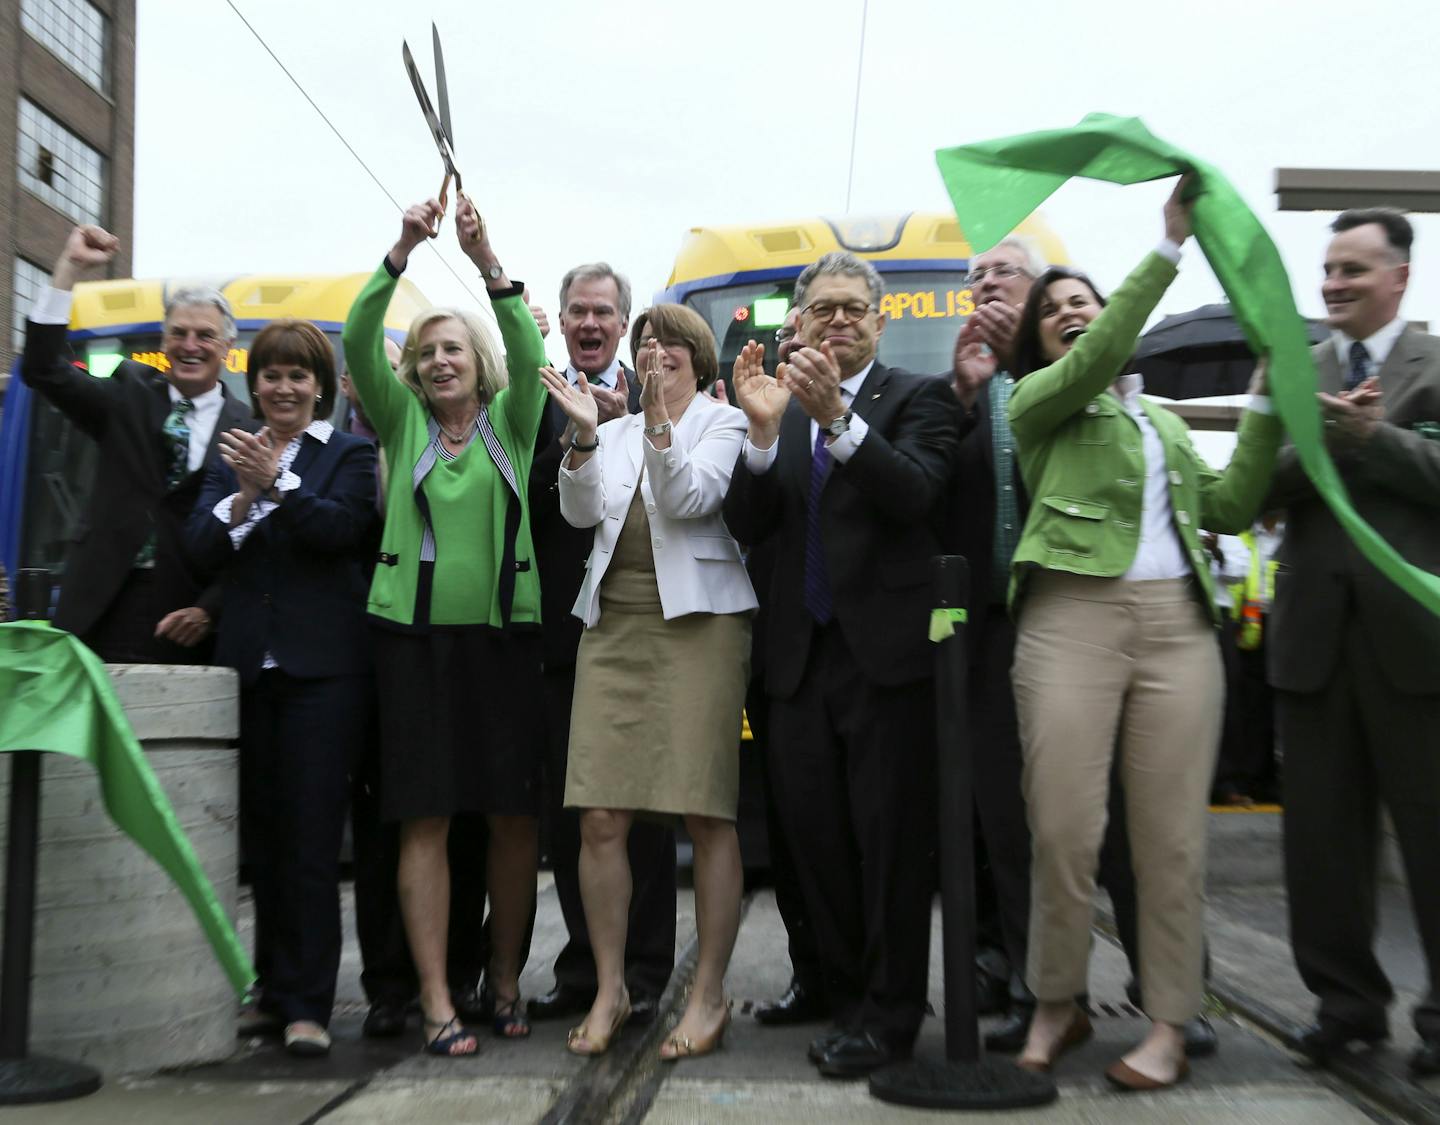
x,y
762,1076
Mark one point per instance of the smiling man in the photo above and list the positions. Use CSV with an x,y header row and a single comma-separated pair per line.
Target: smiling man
x,y
594,316
846,467
1352,658
129,591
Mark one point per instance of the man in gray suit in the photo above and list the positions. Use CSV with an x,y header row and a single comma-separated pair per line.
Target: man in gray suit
x,y
1356,662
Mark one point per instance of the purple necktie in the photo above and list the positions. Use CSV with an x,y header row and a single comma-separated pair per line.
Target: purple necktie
x,y
817,578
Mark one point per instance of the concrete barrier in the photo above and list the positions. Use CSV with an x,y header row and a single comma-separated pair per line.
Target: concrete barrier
x,y
124,978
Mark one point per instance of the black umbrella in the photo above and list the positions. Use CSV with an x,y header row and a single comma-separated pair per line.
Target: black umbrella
x,y
1200,353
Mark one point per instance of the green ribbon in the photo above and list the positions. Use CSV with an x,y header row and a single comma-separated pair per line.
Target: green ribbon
x,y
58,698
995,184
943,622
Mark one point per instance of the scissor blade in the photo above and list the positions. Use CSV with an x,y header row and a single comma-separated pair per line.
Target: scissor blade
x,y
425,107
442,91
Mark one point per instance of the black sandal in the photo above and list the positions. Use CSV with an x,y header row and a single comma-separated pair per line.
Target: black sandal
x,y
451,1032
509,1020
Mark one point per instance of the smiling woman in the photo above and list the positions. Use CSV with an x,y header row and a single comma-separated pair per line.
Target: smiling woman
x,y
1116,648
455,605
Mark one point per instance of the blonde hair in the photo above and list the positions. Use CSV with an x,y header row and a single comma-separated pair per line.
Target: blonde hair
x,y
491,375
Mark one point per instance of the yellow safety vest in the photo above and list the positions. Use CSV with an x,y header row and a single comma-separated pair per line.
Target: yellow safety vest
x,y
1248,598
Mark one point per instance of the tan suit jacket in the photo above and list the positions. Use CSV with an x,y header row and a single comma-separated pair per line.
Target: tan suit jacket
x,y
1394,484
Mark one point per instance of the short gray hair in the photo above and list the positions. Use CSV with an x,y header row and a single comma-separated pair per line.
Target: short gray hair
x,y
202,296
1035,263
845,264
597,271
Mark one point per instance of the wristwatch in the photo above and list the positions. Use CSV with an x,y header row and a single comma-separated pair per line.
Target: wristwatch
x,y
839,426
656,431
493,273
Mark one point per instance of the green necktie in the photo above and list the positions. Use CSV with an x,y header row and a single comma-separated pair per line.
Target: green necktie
x,y
995,184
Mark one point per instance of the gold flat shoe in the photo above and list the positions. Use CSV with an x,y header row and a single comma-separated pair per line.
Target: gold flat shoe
x,y
579,1041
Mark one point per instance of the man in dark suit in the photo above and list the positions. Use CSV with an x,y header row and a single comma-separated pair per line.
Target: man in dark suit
x,y
594,315
130,592
1352,658
846,465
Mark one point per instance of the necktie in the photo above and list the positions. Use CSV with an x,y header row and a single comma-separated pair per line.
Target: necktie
x,y
1359,366
177,442
597,380
817,577
175,434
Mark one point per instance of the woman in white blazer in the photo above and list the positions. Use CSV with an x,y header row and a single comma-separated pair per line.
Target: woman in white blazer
x,y
660,676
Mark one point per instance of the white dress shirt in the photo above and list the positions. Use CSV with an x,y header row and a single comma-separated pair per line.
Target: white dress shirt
x,y
842,448
1377,345
608,378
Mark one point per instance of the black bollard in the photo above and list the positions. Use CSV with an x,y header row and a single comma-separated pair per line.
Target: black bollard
x,y
25,1077
962,1080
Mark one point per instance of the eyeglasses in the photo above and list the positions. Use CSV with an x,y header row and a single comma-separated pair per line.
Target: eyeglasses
x,y
999,273
826,310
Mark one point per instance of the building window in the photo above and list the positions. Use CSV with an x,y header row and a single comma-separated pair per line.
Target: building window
x,y
59,167
75,31
29,280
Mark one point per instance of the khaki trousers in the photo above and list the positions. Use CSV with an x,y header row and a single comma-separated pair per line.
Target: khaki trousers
x,y
1104,666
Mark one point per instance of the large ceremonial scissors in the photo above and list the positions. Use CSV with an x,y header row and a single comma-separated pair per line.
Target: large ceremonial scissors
x,y
440,127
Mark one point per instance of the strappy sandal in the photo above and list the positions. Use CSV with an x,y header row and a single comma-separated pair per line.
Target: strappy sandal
x,y
451,1032
580,1042
509,1021
677,1047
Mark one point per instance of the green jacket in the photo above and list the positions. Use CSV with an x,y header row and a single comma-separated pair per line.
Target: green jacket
x,y
1082,459
470,540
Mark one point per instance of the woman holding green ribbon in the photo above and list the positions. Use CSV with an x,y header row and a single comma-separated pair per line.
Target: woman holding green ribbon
x,y
1116,650
455,605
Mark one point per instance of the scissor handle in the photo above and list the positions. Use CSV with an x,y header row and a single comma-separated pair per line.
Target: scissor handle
x,y
444,204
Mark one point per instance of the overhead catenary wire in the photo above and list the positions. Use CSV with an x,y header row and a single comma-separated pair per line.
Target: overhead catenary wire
x,y
348,146
855,117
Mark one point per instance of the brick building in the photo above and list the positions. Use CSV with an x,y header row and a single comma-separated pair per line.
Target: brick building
x,y
67,127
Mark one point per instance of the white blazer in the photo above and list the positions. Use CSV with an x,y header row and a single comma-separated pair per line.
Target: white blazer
x,y
698,566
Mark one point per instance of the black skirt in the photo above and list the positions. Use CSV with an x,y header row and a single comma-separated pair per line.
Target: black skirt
x,y
461,722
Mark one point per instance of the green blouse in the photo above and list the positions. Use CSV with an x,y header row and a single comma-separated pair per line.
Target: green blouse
x,y
468,499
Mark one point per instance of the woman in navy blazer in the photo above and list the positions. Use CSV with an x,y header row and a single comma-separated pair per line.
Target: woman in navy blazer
x,y
286,517
661,672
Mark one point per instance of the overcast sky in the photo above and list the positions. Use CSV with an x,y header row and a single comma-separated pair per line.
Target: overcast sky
x,y
605,130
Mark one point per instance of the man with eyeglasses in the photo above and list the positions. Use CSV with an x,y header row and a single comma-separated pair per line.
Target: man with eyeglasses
x,y
845,468
129,591
594,316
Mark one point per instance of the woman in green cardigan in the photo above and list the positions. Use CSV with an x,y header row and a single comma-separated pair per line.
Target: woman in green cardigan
x,y
455,605
1116,649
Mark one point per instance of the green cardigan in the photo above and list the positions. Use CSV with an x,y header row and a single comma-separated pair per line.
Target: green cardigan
x,y
468,499
1082,458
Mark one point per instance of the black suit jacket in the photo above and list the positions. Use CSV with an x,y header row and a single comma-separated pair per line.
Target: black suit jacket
x,y
1322,578
973,512
296,588
560,550
124,414
883,517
